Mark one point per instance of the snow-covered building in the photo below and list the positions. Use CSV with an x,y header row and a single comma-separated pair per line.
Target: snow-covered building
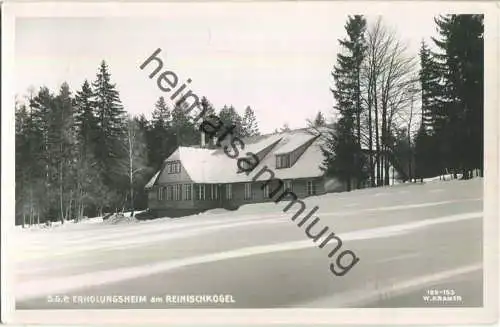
x,y
194,179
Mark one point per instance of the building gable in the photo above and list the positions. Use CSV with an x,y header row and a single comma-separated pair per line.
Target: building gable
x,y
212,166
289,153
173,170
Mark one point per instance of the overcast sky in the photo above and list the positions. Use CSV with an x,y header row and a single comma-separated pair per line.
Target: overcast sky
x,y
277,60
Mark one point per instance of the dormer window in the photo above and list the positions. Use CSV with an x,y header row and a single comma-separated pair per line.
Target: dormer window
x,y
173,167
283,161
248,163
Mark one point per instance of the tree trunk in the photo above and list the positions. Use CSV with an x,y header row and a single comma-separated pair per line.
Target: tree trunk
x,y
31,213
377,140
370,138
410,157
61,192
80,205
69,214
358,121
31,205
385,142
131,140
387,166
131,188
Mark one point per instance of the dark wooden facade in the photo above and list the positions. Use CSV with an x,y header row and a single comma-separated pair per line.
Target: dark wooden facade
x,y
161,203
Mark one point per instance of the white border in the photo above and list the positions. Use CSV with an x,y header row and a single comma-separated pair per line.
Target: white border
x,y
487,314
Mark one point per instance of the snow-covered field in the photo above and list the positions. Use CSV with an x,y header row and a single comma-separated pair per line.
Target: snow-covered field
x,y
75,224
95,234
78,254
244,210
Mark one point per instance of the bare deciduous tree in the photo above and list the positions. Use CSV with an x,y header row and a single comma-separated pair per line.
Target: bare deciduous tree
x,y
136,155
387,73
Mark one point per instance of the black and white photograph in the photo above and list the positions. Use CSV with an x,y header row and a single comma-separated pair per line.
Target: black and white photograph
x,y
282,155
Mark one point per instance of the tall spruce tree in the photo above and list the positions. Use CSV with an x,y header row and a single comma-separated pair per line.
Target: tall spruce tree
x,y
428,76
339,151
111,124
161,114
87,176
343,154
318,120
249,123
459,117
210,116
229,116
161,135
427,155
183,127
85,119
207,107
356,44
22,164
66,152
43,146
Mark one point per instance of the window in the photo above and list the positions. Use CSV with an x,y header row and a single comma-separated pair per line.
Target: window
x,y
248,164
288,186
174,192
200,192
170,193
161,193
265,191
187,191
282,161
177,192
173,167
229,191
214,192
311,188
248,191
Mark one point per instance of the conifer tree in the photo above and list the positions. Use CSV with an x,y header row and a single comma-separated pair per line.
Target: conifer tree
x,y
111,125
162,140
64,126
458,119
229,116
161,114
428,76
249,123
285,128
85,120
343,156
184,129
87,176
427,156
43,147
318,121
339,151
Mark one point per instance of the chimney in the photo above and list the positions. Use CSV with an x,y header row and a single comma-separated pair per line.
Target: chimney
x,y
202,139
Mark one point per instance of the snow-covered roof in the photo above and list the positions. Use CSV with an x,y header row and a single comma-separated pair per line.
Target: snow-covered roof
x,y
210,166
152,181
263,143
292,142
